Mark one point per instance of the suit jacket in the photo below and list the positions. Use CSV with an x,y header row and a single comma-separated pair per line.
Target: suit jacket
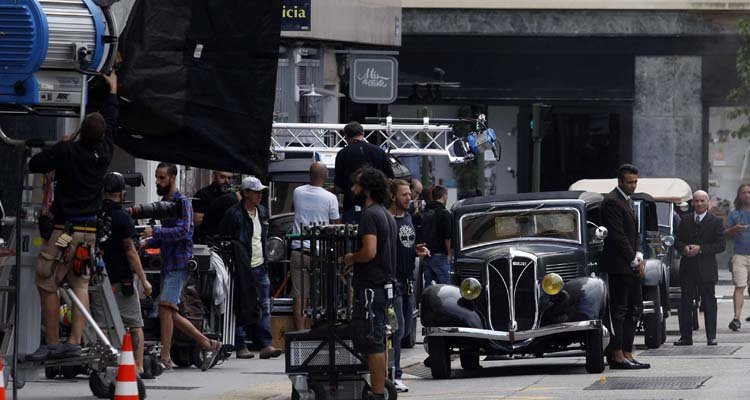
x,y
622,242
709,234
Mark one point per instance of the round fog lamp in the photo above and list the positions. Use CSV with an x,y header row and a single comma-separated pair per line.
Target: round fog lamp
x,y
470,288
552,284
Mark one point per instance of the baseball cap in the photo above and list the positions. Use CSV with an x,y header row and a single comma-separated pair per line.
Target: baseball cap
x,y
252,183
113,182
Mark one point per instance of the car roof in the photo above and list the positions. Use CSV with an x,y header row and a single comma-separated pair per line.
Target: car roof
x,y
587,197
673,190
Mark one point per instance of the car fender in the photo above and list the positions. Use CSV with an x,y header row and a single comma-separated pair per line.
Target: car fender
x,y
442,305
654,272
589,297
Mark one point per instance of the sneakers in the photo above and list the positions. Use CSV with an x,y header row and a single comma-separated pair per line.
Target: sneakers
x,y
40,354
400,387
65,350
269,352
735,325
245,354
209,356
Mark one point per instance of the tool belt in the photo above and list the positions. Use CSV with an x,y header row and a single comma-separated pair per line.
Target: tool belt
x,y
84,228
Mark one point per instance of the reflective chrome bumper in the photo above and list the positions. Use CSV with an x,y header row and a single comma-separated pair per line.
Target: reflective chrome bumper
x,y
517,336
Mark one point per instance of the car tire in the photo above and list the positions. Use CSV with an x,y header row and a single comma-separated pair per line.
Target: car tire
x,y
594,352
440,357
469,360
410,340
652,323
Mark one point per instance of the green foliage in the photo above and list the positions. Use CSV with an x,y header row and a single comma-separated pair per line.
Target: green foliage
x,y
741,93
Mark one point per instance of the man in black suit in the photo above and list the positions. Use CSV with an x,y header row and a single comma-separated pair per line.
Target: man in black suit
x,y
700,237
622,260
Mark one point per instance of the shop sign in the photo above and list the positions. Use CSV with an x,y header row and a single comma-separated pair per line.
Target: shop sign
x,y
374,79
295,15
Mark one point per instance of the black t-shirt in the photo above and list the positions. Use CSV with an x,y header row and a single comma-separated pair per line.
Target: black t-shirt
x,y
376,220
436,227
214,214
350,159
79,169
206,196
121,227
406,249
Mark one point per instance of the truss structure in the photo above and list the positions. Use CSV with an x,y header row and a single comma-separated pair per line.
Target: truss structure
x,y
418,140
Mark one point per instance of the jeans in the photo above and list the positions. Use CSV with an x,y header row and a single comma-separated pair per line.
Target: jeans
x,y
403,304
436,268
261,331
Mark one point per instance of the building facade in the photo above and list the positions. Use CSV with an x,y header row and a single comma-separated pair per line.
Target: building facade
x,y
627,81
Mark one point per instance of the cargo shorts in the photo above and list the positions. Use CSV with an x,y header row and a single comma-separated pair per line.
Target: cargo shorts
x,y
369,319
51,272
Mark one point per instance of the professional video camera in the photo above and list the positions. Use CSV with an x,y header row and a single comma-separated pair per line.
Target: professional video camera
x,y
156,210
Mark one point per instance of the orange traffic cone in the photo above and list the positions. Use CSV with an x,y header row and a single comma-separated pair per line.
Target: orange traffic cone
x,y
126,387
2,379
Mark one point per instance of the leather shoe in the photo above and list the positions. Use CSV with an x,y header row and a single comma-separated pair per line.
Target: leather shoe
x,y
622,365
269,352
639,364
244,354
713,342
683,342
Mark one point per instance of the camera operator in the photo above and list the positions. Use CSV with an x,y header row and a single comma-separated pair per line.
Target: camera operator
x,y
79,164
205,197
373,273
175,238
247,224
116,233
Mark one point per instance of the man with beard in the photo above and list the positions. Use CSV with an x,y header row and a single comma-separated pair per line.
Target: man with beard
x,y
406,252
622,260
374,266
205,197
175,238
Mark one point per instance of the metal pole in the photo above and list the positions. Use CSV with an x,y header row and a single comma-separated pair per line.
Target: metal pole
x,y
17,268
90,320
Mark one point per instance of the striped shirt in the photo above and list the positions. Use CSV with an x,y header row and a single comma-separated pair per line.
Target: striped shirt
x,y
175,237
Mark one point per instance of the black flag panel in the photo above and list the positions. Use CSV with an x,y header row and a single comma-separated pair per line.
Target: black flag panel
x,y
198,80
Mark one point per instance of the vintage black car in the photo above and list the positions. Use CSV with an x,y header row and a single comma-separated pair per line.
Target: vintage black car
x,y
525,272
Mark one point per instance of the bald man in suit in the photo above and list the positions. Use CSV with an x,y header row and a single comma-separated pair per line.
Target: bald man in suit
x,y
700,237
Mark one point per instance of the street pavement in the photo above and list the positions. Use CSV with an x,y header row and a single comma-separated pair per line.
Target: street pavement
x,y
676,373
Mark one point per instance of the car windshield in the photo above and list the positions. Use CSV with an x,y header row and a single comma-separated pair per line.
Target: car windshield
x,y
561,224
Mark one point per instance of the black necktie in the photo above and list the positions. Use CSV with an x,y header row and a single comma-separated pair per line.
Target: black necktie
x,y
697,219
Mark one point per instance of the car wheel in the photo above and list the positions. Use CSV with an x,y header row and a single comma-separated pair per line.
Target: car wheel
x,y
663,330
410,340
440,357
469,360
51,372
652,323
594,352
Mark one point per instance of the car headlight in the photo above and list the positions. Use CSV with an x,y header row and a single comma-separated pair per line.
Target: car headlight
x,y
275,248
470,288
552,284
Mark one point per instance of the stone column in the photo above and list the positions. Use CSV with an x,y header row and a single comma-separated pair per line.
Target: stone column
x,y
667,118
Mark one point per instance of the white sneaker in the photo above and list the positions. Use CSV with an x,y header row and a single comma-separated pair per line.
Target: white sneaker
x,y
400,387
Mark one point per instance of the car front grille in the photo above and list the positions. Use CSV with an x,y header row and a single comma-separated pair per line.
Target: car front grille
x,y
566,271
512,293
